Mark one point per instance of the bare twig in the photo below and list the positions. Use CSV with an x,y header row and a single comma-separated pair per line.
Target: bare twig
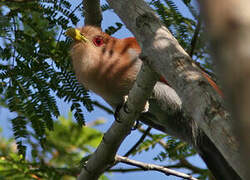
x,y
154,167
161,141
195,38
138,142
103,107
193,46
61,32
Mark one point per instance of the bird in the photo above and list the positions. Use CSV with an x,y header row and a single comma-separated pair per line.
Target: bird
x,y
108,66
103,64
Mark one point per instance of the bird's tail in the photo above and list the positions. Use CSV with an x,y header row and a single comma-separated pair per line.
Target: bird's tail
x,y
166,114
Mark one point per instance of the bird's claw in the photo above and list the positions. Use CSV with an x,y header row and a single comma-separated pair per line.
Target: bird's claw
x,y
124,105
118,108
136,125
116,114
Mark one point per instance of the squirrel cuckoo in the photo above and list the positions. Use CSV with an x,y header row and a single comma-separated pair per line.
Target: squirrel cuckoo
x,y
108,66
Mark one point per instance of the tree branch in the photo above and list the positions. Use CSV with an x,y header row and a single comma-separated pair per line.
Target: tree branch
x,y
199,99
146,166
104,155
92,12
228,24
133,148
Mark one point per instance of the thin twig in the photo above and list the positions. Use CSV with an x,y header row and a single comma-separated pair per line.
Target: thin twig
x,y
195,38
15,30
138,142
154,167
193,46
103,107
183,163
76,8
161,141
61,32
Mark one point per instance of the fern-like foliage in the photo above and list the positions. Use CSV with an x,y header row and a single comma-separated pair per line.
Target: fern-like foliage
x,y
35,70
111,29
183,27
35,66
105,7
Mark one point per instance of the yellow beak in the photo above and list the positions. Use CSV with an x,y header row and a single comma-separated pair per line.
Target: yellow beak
x,y
76,35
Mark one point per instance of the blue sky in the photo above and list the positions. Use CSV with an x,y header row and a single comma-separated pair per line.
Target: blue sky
x,y
109,18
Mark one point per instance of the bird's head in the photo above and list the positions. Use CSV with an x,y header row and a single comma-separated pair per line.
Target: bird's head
x,y
89,43
88,36
104,64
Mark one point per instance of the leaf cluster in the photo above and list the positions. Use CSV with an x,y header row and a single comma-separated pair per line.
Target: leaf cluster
x,y
60,157
35,67
182,21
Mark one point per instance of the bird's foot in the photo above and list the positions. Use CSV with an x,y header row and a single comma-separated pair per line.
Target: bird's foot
x,y
124,105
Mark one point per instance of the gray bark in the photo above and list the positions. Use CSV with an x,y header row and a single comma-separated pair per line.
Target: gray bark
x,y
200,101
106,151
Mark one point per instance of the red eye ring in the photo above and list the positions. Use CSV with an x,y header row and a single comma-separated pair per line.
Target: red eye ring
x,y
98,41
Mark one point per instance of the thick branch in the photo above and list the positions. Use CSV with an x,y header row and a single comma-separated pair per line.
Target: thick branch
x,y
154,167
228,24
106,151
92,12
200,101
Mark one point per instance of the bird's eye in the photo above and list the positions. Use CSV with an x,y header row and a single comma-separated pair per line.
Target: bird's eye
x,y
98,41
